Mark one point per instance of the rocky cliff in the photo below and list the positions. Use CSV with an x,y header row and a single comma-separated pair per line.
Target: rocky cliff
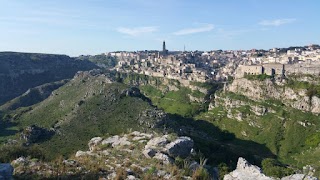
x,y
268,89
21,71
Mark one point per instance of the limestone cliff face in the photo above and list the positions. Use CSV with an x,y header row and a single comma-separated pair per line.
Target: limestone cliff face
x,y
262,90
21,71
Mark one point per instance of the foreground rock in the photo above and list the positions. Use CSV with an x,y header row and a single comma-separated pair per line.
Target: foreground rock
x,y
247,171
166,150
6,171
130,156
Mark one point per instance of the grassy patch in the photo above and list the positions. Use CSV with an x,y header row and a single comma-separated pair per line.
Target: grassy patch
x,y
259,77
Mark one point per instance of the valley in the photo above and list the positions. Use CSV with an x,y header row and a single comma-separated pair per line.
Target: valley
x,y
271,121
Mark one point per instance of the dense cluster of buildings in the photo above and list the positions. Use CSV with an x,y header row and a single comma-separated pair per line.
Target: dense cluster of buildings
x,y
219,65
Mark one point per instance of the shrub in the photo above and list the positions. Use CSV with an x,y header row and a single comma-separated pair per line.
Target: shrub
x,y
121,174
272,167
10,153
200,174
223,170
260,77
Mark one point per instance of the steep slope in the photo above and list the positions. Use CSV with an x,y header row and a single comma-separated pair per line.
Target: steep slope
x,y
32,96
21,71
261,111
87,106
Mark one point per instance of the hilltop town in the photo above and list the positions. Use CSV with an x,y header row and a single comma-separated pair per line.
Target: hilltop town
x,y
219,65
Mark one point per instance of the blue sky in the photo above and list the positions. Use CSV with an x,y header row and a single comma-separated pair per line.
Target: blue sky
x,y
76,27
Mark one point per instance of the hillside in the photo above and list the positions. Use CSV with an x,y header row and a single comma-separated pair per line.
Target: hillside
x,y
225,124
92,104
87,106
32,96
261,111
21,71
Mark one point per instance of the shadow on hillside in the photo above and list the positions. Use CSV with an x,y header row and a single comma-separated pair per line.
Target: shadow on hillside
x,y
217,145
5,129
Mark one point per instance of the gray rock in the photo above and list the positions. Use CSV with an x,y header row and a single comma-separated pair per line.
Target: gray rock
x,y
94,142
164,158
157,142
80,153
149,153
131,177
110,140
121,142
180,147
246,171
20,161
6,171
299,177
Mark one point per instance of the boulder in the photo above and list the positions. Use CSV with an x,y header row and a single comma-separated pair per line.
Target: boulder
x,y
121,142
164,158
6,171
94,142
180,147
157,142
115,141
110,140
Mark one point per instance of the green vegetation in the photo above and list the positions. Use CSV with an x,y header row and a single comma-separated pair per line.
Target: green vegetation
x,y
101,60
177,102
33,70
312,89
10,153
201,84
272,167
280,129
81,110
259,77
198,94
313,140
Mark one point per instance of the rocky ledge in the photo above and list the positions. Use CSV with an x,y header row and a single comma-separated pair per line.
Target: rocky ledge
x,y
130,156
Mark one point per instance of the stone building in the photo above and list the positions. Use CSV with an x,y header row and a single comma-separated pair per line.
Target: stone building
x,y
269,69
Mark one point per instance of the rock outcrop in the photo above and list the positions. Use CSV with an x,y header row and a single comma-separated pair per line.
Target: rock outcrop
x,y
162,148
132,156
181,147
262,90
33,134
247,171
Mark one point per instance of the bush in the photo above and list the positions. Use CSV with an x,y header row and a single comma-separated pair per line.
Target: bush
x,y
223,170
272,167
10,153
200,174
260,77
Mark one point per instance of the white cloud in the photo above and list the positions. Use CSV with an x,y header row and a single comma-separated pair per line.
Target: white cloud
x,y
205,28
276,22
137,31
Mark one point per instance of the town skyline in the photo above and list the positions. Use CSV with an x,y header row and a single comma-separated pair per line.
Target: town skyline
x,y
93,27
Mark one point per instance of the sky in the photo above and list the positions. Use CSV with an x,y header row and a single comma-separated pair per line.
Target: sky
x,y
82,27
